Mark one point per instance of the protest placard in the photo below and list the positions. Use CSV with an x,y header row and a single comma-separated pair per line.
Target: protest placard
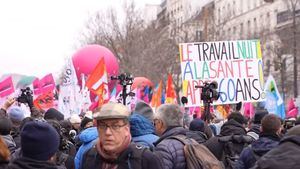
x,y
236,65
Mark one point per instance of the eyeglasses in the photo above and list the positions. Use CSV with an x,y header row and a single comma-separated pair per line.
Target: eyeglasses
x,y
115,127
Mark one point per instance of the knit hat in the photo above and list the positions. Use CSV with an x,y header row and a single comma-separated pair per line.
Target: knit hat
x,y
53,114
85,121
259,115
39,140
16,114
197,125
75,119
5,126
144,109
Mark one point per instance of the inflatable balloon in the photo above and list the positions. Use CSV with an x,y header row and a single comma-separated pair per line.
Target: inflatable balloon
x,y
86,59
140,82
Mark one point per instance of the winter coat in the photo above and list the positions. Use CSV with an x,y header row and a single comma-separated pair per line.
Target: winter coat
x,y
9,141
88,137
3,163
285,156
171,150
134,157
27,163
231,127
257,149
142,131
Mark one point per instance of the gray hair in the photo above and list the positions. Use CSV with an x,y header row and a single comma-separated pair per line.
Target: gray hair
x,y
170,114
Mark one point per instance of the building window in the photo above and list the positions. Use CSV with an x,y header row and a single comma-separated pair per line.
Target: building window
x,y
234,33
233,8
249,28
241,6
255,27
198,35
241,30
219,15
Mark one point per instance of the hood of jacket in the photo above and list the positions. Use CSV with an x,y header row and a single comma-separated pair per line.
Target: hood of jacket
x,y
88,135
9,141
232,127
199,136
265,143
139,125
27,163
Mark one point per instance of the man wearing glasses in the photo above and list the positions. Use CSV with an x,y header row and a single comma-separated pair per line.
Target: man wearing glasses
x,y
114,150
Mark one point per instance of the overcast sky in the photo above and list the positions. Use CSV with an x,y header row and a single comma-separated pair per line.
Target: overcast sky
x,y
36,35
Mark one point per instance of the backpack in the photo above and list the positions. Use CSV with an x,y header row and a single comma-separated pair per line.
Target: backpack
x,y
232,148
197,155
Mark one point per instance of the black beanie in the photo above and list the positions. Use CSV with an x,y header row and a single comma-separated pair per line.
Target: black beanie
x,y
85,121
53,114
39,140
5,126
238,117
259,115
197,125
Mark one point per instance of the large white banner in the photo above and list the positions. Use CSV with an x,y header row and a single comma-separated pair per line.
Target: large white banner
x,y
236,65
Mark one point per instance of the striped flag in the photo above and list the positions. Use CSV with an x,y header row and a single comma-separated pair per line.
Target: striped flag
x,y
6,87
97,82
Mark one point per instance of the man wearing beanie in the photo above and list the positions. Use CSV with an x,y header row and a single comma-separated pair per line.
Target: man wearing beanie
x,y
196,130
39,143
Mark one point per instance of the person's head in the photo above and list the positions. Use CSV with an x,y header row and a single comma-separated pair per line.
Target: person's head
x,y
113,126
5,126
197,125
271,124
238,117
167,115
4,151
75,121
259,115
53,114
39,140
87,120
294,131
144,109
16,114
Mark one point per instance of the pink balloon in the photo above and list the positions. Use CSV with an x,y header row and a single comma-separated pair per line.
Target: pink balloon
x,y
86,59
141,82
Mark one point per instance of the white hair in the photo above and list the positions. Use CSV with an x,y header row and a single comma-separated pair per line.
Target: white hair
x,y
170,114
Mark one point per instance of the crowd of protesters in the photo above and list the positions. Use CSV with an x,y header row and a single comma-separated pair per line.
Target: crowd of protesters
x,y
112,137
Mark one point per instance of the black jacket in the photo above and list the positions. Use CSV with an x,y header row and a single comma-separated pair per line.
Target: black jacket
x,y
3,163
214,144
132,158
199,136
258,148
285,156
27,163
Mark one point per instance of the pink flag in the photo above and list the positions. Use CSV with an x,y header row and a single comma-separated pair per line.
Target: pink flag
x,y
6,87
44,85
248,110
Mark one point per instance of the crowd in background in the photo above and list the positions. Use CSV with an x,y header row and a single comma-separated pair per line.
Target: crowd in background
x,y
112,137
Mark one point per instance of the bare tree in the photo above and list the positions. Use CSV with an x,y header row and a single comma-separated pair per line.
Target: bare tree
x,y
143,50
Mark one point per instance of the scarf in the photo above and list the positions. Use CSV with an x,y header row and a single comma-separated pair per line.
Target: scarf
x,y
111,157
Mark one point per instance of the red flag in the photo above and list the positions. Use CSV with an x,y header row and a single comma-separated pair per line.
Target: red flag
x,y
156,97
44,101
97,82
6,87
170,91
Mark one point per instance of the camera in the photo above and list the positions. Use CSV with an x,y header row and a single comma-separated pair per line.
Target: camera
x,y
124,78
26,97
209,91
